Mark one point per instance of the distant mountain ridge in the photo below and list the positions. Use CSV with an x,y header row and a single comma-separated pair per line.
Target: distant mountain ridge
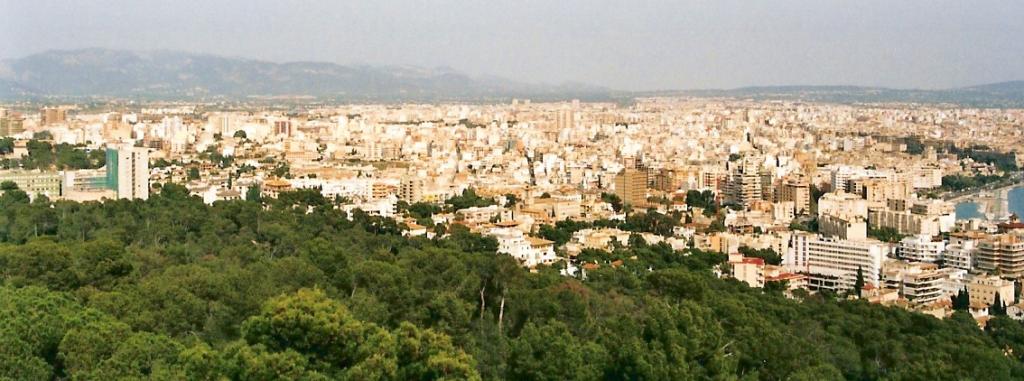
x,y
173,75
177,75
1008,94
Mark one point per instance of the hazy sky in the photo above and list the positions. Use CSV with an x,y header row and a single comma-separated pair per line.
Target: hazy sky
x,y
621,44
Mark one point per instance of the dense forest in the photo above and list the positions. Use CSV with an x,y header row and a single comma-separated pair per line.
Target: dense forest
x,y
171,288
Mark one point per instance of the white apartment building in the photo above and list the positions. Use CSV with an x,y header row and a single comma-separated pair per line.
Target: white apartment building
x,y
921,248
919,283
529,251
959,253
832,264
842,204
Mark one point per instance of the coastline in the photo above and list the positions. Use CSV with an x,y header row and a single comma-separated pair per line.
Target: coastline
x,y
970,196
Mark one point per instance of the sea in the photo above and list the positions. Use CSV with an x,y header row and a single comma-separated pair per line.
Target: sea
x,y
968,210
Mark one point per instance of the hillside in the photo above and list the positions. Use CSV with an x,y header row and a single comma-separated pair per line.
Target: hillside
x,y
171,289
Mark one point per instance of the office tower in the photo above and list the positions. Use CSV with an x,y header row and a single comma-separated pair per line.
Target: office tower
x,y
128,172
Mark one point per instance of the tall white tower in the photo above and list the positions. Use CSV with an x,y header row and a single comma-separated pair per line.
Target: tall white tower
x,y
128,171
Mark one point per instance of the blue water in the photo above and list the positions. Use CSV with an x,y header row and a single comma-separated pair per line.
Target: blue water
x,y
967,210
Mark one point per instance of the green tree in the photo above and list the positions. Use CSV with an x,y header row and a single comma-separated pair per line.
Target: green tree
x,y
998,308
614,200
550,352
858,285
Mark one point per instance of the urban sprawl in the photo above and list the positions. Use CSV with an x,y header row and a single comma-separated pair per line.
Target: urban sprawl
x,y
852,200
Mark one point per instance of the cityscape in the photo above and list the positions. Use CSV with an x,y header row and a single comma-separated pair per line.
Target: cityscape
x,y
170,215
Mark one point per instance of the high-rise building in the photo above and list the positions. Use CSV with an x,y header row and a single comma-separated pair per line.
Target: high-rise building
x,y
853,228
411,189
799,192
744,183
128,172
283,127
565,119
631,186
959,252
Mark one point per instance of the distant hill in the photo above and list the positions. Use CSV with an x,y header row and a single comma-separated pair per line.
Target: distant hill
x,y
178,75
172,75
1002,94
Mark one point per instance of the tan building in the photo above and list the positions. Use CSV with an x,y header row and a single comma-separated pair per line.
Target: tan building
x,y
919,283
747,270
52,115
273,187
799,192
849,228
879,190
1001,254
411,189
12,124
631,186
35,183
983,289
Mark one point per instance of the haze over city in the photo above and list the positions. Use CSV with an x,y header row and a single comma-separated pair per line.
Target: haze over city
x,y
649,45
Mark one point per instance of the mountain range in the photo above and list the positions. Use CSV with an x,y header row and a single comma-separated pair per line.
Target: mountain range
x,y
173,75
176,75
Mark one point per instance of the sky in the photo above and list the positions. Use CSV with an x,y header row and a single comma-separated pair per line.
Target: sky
x,y
625,45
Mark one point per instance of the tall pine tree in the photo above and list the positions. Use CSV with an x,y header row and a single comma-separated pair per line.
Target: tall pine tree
x,y
858,285
998,308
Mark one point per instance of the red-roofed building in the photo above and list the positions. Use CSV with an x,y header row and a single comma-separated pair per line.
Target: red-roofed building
x,y
747,270
779,274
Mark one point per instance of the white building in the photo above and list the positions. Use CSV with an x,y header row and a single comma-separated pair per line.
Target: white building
x,y
917,282
129,167
921,248
747,270
959,253
832,264
529,251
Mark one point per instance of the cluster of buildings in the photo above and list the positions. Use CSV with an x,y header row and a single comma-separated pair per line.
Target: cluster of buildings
x,y
813,182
